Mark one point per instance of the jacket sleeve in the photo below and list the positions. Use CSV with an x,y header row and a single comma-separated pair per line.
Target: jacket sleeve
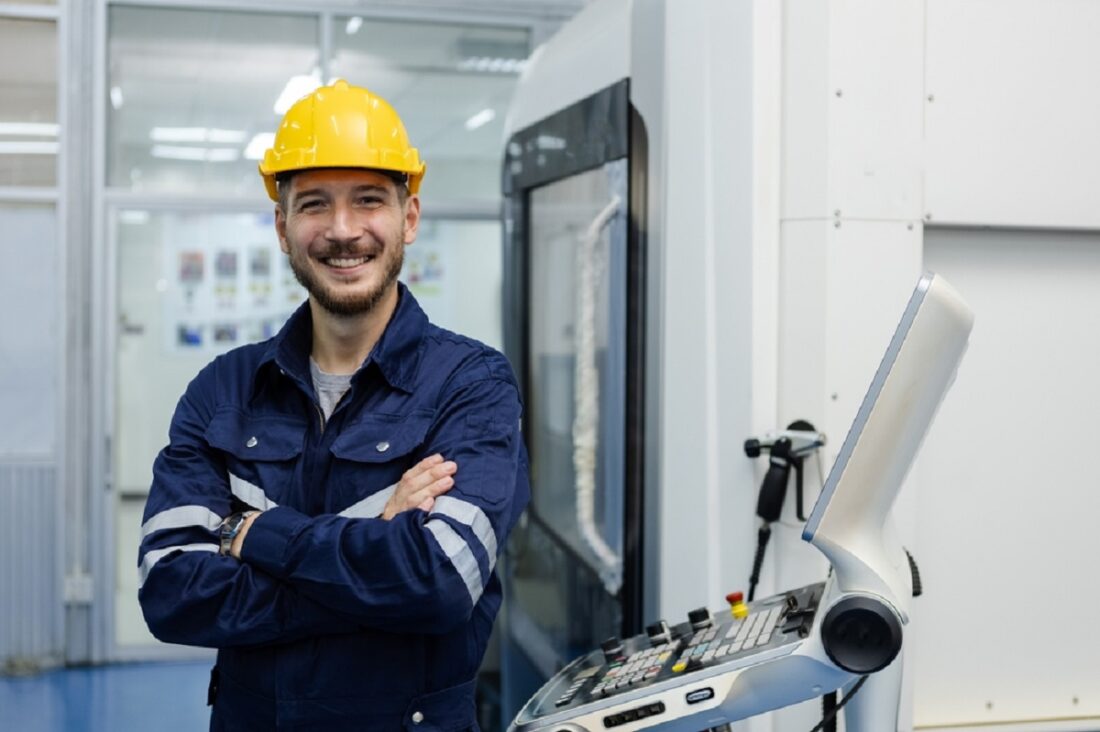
x,y
189,593
421,572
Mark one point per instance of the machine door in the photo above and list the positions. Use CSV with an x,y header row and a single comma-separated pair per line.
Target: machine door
x,y
573,332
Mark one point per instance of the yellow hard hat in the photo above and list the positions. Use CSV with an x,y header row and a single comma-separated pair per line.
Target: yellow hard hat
x,y
341,126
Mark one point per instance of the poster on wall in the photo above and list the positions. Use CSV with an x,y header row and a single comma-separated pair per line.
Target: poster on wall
x,y
225,276
245,296
429,274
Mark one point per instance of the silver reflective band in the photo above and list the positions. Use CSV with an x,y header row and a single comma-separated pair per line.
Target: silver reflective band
x,y
151,558
251,494
467,513
382,446
461,556
182,517
371,506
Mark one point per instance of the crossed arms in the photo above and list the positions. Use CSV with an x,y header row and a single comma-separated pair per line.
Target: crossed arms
x,y
421,565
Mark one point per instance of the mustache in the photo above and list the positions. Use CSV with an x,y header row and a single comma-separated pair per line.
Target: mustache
x,y
350,250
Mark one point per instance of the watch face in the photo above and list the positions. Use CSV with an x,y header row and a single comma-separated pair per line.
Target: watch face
x,y
232,525
228,531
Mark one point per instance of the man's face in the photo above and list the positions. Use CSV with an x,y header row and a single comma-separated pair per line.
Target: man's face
x,y
344,232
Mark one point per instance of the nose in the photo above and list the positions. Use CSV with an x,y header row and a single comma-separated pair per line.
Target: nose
x,y
343,227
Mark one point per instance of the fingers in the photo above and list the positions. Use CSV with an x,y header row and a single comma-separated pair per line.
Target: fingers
x,y
430,491
425,464
427,471
420,485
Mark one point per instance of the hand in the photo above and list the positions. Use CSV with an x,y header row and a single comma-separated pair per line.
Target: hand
x,y
238,540
420,485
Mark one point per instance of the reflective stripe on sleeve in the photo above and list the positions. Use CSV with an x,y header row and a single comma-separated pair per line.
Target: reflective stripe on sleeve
x,y
151,558
182,517
461,556
371,506
467,513
250,493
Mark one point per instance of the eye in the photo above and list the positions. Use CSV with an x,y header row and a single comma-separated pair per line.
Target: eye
x,y
311,204
369,200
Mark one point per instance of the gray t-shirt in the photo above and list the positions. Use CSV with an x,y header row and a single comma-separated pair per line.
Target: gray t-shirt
x,y
330,388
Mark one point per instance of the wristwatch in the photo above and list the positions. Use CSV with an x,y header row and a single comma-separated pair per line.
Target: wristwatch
x,y
229,528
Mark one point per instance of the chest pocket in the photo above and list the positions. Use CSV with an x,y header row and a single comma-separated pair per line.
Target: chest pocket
x,y
371,454
261,454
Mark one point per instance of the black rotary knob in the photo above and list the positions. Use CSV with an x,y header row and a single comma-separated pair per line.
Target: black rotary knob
x,y
658,632
699,618
861,634
612,649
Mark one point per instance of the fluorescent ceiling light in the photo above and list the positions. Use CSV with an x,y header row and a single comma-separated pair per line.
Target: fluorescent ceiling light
x,y
258,145
493,65
200,154
480,119
29,129
550,142
28,148
133,216
353,26
296,88
196,134
116,96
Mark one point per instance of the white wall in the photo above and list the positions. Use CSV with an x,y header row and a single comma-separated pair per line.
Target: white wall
x,y
1011,131
707,290
902,116
1008,503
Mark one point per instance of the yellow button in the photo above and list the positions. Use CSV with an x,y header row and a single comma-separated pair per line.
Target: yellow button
x,y
679,666
740,610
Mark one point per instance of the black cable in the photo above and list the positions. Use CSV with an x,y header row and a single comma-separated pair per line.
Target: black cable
x,y
762,537
832,715
918,589
828,710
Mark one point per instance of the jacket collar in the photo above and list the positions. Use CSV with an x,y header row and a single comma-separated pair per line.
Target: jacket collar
x,y
397,352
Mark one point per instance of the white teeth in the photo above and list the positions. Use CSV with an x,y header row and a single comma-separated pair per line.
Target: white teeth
x,y
346,262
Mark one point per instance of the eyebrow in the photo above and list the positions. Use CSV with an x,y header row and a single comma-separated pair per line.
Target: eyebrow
x,y
323,193
371,187
311,192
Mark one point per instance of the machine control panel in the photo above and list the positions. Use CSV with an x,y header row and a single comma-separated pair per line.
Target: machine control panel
x,y
667,657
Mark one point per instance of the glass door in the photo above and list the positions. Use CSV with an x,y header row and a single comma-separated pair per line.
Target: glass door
x,y
573,284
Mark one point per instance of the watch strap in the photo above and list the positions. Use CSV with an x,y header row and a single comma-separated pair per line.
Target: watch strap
x,y
229,529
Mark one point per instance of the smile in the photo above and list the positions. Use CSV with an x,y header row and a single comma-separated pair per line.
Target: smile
x,y
346,262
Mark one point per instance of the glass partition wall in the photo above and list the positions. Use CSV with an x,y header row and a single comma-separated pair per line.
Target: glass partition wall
x,y
28,121
192,97
32,342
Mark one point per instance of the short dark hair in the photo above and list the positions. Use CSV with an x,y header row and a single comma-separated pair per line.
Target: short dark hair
x,y
400,181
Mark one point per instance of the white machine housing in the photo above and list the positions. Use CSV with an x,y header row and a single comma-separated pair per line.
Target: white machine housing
x,y
850,524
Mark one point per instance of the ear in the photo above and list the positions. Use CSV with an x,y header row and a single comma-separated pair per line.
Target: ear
x,y
280,229
412,218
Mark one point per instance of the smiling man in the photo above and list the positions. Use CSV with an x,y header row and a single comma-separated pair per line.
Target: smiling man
x,y
331,504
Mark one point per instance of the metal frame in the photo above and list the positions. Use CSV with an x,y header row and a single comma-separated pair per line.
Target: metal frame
x,y
611,112
28,194
32,12
100,389
486,12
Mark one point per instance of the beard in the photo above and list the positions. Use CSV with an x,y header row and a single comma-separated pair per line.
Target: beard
x,y
391,259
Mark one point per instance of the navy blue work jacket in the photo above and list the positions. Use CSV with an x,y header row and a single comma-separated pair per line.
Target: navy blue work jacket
x,y
336,619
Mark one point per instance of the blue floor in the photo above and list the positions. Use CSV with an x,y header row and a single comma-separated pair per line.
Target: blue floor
x,y
158,697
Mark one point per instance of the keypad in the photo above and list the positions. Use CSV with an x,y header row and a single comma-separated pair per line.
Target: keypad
x,y
635,668
710,645
707,645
